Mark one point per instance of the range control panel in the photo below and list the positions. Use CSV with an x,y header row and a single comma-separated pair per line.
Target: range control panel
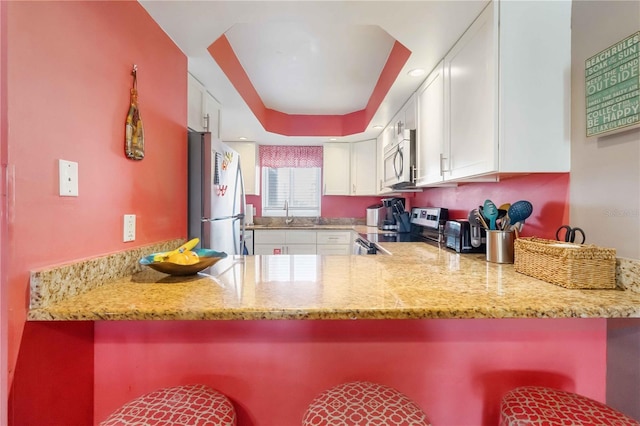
x,y
429,217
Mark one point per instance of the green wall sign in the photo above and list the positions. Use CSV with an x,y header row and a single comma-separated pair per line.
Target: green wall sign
x,y
613,87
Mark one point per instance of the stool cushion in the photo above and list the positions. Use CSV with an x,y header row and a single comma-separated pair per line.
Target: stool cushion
x,y
535,405
363,403
181,405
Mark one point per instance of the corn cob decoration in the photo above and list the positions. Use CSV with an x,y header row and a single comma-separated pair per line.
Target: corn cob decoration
x,y
134,132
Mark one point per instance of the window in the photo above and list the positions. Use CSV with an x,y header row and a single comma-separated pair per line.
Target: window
x,y
291,174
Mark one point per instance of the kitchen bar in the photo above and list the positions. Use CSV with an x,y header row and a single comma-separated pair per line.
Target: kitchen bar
x,y
416,281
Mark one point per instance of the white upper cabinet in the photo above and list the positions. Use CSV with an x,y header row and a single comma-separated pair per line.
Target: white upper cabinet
x,y
506,99
430,134
195,104
211,114
203,110
336,168
381,142
249,164
363,166
410,113
349,168
470,99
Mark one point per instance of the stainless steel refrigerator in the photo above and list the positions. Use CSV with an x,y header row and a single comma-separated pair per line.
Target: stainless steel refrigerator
x,y
216,194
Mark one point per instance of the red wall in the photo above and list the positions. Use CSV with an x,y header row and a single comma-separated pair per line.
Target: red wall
x,y
456,370
68,76
549,194
332,206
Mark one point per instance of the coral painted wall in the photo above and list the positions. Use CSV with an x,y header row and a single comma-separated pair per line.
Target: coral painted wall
x,y
456,370
331,205
548,192
68,77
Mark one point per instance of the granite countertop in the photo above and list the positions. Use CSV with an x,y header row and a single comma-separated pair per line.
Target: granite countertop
x,y
416,281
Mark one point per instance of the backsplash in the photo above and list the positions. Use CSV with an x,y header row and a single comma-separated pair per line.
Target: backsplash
x,y
53,284
628,274
276,221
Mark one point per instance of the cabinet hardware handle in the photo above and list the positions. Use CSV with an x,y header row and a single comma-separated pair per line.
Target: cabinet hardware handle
x,y
354,188
442,169
207,120
413,174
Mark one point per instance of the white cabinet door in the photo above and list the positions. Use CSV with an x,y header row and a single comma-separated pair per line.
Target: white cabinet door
x,y
410,113
385,138
211,113
363,166
334,237
430,150
283,241
269,249
334,242
249,165
300,237
471,100
301,249
336,168
269,236
340,250
195,104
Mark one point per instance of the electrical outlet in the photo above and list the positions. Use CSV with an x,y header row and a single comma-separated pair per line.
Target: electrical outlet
x,y
68,178
129,228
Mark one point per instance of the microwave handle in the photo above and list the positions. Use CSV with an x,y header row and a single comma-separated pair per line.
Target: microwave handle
x,y
399,153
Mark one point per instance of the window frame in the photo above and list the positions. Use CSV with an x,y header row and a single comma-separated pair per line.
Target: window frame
x,y
293,211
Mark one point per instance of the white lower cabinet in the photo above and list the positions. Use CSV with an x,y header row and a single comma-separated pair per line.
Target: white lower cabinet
x,y
334,242
277,241
283,241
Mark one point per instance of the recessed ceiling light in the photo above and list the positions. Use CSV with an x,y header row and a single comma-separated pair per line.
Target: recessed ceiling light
x,y
378,126
242,138
417,72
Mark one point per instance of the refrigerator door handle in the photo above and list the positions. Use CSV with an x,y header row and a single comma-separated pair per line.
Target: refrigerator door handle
x,y
215,219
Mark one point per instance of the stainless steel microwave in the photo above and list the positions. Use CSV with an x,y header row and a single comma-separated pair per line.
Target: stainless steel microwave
x,y
399,161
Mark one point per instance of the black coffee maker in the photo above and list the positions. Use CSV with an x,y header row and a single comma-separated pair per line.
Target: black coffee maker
x,y
394,215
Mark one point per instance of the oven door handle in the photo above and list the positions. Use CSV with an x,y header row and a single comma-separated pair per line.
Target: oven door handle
x,y
363,247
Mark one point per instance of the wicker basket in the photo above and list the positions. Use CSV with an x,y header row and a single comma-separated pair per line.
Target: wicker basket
x,y
578,266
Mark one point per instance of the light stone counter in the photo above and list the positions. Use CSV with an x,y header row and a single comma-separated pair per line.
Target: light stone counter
x,y
416,281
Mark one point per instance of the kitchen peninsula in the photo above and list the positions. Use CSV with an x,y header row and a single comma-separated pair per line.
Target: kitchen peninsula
x,y
436,324
416,281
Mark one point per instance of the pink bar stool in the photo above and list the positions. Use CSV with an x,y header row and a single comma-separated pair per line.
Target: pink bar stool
x,y
180,405
536,405
363,403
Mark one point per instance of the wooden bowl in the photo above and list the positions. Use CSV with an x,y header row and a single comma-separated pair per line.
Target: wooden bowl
x,y
207,258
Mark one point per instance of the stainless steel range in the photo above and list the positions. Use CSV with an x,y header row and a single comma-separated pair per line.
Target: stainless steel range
x,y
427,225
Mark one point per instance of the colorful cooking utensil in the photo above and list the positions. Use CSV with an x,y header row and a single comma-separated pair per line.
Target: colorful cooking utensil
x,y
519,211
490,212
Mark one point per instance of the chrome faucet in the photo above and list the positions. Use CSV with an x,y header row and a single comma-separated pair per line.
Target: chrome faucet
x,y
287,219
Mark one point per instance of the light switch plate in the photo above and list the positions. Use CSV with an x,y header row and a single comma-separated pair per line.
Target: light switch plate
x,y
68,178
129,228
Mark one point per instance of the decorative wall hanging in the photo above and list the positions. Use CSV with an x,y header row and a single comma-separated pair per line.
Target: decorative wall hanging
x,y
134,132
612,89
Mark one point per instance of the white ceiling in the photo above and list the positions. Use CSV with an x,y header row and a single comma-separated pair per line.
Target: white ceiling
x,y
311,57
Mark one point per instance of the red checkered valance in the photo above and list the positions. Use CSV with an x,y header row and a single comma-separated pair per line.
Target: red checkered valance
x,y
290,156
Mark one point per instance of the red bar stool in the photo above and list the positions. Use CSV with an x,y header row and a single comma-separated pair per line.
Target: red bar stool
x,y
180,405
363,403
536,405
